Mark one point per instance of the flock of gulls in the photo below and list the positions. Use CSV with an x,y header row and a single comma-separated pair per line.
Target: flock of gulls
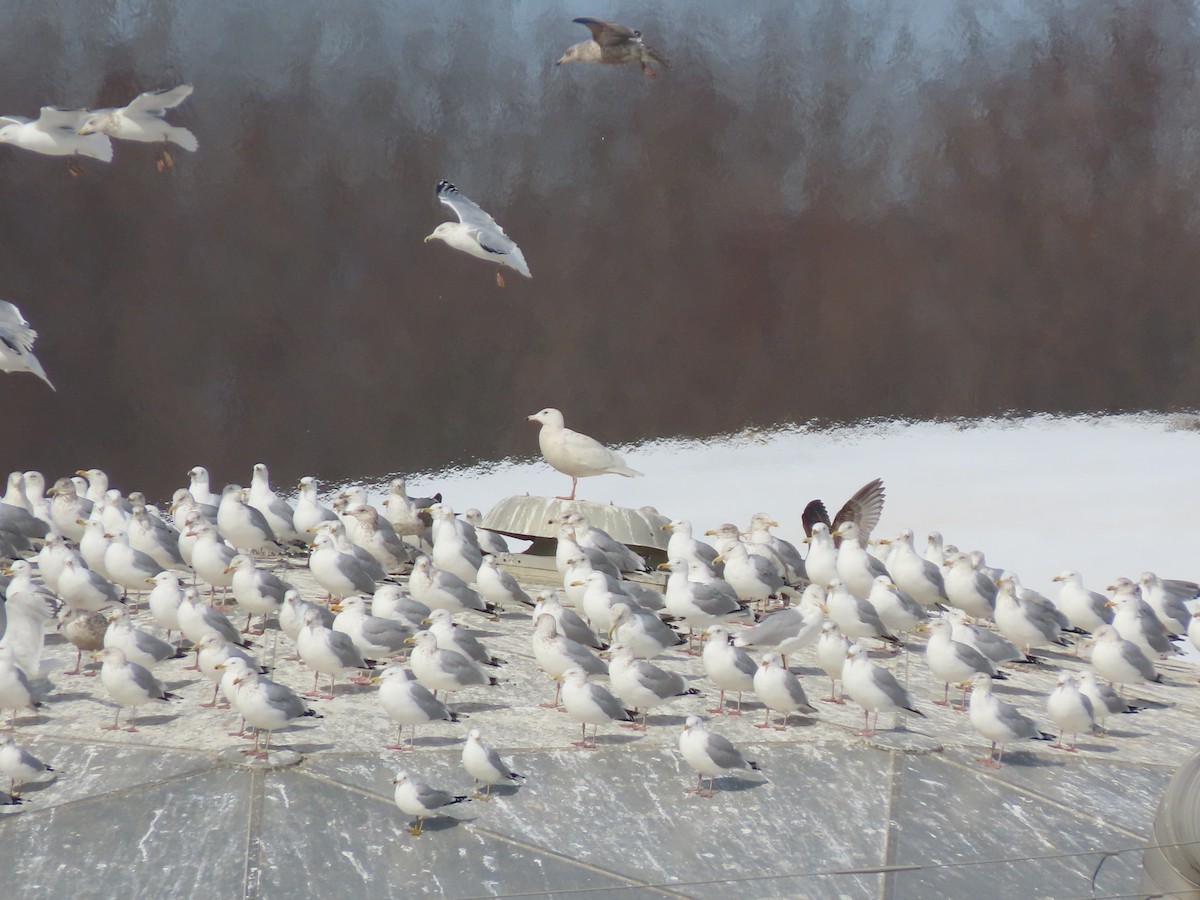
x,y
389,598
78,133
396,597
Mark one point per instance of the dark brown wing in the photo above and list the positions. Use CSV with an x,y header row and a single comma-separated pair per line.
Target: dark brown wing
x,y
608,34
813,513
863,509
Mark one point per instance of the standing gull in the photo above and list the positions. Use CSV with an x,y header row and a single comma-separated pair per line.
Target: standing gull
x,y
443,590
267,706
832,649
566,620
490,542
451,636
643,632
418,799
408,702
444,670
954,662
916,576
855,565
590,704
84,631
613,44
728,667
374,636
709,754
256,590
790,629
16,343
1136,620
15,692
477,233
779,690
278,512
138,646
19,766
1084,609
340,574
556,653
1121,661
129,685
484,764
643,685
873,688
499,587
1071,710
1105,701
967,588
576,454
998,721
326,652
1166,598
143,119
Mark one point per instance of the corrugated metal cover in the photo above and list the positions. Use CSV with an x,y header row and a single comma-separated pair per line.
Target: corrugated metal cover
x,y
533,517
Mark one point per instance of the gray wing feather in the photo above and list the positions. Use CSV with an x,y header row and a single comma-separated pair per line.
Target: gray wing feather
x,y
1133,655
432,798
886,682
582,657
345,651
496,762
460,667
430,705
353,570
385,632
972,657
154,646
146,682
774,629
610,705
723,753
284,698
1016,721
745,663
663,684
712,601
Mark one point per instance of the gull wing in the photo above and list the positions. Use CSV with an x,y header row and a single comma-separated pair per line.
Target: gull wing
x,y
608,34
156,103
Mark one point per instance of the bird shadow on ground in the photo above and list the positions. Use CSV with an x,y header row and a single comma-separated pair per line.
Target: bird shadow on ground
x,y
443,741
445,823
505,790
618,738
478,707
156,720
304,749
72,695
1096,748
1113,733
734,784
1026,760
178,685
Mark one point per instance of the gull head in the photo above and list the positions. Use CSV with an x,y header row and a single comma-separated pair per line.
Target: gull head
x,y
98,122
547,416
441,232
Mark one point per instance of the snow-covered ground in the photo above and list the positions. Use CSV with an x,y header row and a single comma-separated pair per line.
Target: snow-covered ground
x,y
1106,496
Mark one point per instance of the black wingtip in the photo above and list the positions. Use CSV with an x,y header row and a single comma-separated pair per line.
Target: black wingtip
x,y
753,765
915,712
462,798
999,676
492,682
1042,736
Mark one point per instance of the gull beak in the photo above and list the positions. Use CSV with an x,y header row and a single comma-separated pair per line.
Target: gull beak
x,y
557,677
712,532
837,533
335,607
410,640
773,524
427,621
807,540
882,542
1056,578
667,527
824,608
1111,605
7,570
664,566
81,521
578,583
82,472
150,581
718,559
228,569
1111,587
219,666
